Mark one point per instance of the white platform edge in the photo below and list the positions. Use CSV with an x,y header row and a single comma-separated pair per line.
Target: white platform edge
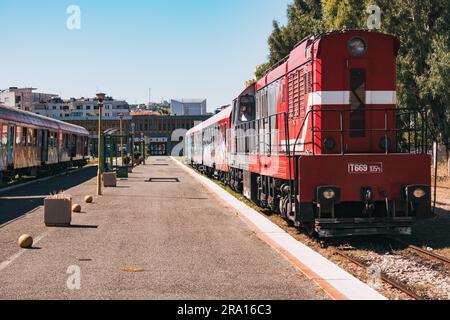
x,y
328,272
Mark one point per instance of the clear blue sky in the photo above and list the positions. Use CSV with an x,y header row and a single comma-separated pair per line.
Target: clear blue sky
x,y
179,48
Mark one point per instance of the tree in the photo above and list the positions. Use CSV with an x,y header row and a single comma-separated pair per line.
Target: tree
x,y
434,87
261,70
304,19
422,27
423,62
343,14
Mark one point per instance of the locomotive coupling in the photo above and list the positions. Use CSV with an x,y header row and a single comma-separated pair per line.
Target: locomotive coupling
x,y
367,199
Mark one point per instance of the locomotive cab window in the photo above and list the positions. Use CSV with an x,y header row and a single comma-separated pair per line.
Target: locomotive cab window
x,y
247,109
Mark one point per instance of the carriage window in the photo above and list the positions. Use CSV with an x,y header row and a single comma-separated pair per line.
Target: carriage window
x,y
234,113
263,104
30,138
24,136
66,141
18,135
5,135
357,103
51,140
35,137
273,98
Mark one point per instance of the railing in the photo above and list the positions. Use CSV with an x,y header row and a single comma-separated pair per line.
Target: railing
x,y
410,129
265,136
270,135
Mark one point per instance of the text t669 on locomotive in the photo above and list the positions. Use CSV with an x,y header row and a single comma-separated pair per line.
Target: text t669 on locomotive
x,y
321,141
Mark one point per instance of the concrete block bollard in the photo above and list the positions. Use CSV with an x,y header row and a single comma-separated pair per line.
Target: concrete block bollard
x,y
58,211
109,180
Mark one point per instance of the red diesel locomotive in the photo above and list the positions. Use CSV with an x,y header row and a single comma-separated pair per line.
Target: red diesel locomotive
x,y
32,144
320,140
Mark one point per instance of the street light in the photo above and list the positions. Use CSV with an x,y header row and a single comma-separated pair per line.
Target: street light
x,y
121,136
143,148
133,126
101,98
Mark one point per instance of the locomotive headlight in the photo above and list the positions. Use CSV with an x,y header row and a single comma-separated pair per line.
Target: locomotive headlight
x,y
419,193
329,194
357,46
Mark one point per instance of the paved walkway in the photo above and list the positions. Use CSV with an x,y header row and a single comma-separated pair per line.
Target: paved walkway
x,y
188,243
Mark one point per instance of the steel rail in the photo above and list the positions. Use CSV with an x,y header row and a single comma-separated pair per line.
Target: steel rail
x,y
394,283
424,252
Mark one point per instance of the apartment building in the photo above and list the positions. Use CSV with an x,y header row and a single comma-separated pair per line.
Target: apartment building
x,y
24,98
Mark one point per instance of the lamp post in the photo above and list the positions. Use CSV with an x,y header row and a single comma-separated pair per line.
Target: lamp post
x,y
133,126
101,98
143,148
121,137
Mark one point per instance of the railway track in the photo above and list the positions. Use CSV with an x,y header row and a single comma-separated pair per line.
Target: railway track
x,y
424,252
392,282
398,285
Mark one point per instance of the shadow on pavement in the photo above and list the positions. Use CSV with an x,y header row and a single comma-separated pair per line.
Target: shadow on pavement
x,y
433,233
17,203
76,226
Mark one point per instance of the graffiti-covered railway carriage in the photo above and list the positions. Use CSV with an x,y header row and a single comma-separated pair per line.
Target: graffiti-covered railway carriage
x,y
32,144
320,140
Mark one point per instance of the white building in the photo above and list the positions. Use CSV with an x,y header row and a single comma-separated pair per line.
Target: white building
x,y
188,107
24,98
82,109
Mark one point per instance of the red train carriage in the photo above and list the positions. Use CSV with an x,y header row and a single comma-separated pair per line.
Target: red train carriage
x,y
206,145
31,143
319,139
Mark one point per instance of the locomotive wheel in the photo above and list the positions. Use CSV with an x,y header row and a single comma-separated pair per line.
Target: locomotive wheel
x,y
288,208
284,207
282,212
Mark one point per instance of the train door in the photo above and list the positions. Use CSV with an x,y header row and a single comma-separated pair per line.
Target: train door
x,y
3,146
73,146
44,146
10,152
358,137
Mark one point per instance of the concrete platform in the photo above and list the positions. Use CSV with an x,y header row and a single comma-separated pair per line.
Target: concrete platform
x,y
338,283
181,237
